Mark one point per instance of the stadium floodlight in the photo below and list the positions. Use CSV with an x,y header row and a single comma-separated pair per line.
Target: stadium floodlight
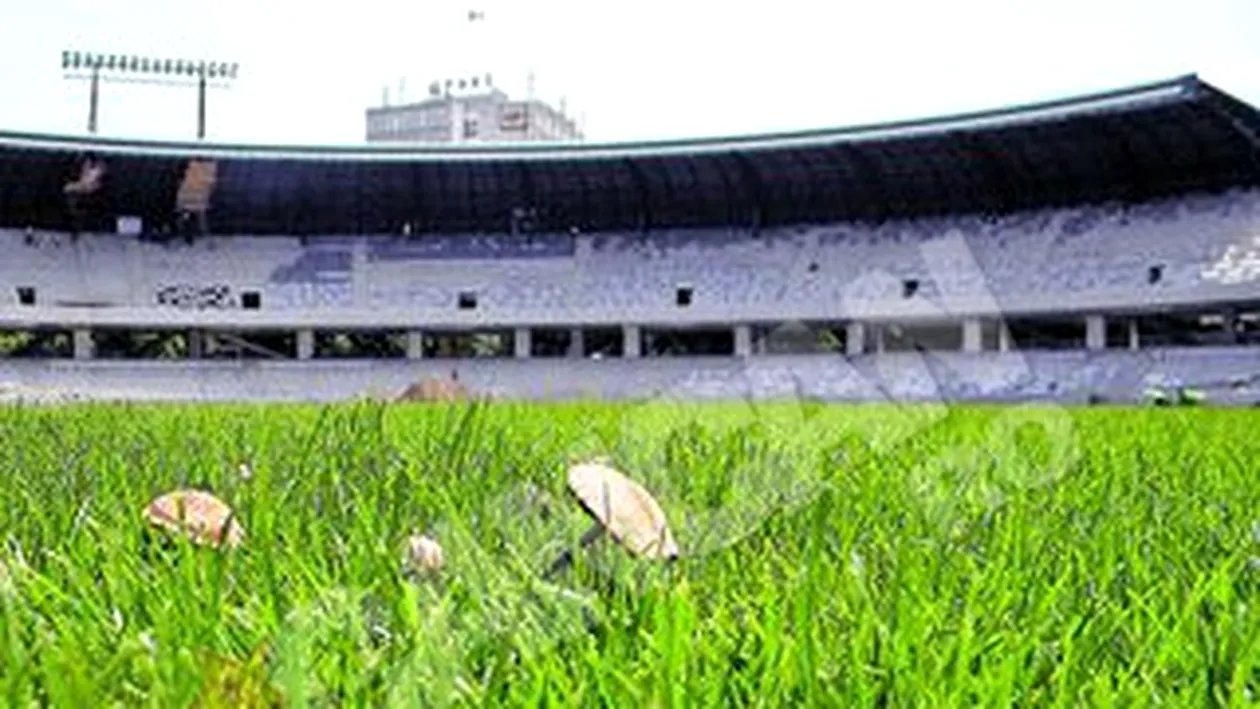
x,y
140,69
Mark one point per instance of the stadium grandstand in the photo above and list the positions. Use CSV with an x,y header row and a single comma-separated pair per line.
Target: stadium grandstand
x,y
1078,249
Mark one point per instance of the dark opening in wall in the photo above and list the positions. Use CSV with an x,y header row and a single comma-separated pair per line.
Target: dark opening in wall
x,y
551,342
467,300
683,296
688,342
1154,274
251,300
26,295
909,287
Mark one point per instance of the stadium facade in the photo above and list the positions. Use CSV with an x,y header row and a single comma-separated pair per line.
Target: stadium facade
x,y
1071,249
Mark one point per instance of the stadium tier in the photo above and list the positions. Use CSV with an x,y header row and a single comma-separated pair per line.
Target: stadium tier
x,y
1089,246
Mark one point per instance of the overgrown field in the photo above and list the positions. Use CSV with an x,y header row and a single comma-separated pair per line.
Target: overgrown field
x,y
838,556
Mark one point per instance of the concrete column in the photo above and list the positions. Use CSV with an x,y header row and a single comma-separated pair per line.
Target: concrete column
x,y
305,344
522,342
415,344
971,341
84,348
196,344
1004,337
1229,322
577,343
1135,341
1095,332
360,273
878,332
743,340
632,341
855,339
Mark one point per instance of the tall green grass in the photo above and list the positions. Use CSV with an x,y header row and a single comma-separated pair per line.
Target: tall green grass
x,y
833,556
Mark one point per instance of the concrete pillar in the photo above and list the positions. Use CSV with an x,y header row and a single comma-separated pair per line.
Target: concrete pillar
x,y
415,344
1095,332
632,341
360,273
1135,341
878,332
196,344
855,339
577,343
305,344
1004,337
522,343
1230,317
971,341
743,340
84,348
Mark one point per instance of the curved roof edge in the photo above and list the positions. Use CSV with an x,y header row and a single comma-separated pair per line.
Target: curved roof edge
x,y
1172,90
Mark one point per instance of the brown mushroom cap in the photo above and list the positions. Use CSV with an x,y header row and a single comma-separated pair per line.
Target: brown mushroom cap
x,y
626,510
204,518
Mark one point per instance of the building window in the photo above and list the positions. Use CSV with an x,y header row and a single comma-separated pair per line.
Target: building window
x,y
470,127
682,296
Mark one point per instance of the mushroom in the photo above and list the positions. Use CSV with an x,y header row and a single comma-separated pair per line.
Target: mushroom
x,y
201,516
623,509
424,555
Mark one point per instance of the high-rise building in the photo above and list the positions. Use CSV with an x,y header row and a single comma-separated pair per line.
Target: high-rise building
x,y
469,110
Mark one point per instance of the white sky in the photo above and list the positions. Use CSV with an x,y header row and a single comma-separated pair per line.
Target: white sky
x,y
643,70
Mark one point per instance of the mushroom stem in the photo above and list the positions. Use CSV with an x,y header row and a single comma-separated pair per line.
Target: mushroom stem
x,y
565,559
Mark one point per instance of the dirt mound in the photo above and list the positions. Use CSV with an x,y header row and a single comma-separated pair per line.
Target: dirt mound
x,y
435,389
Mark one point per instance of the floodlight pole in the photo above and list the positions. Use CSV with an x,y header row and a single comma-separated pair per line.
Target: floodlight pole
x,y
165,72
205,71
201,104
94,99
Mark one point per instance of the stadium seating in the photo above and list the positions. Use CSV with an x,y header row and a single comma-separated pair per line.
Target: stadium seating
x,y
1099,255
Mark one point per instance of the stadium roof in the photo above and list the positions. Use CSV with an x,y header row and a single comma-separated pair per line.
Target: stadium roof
x,y
1132,143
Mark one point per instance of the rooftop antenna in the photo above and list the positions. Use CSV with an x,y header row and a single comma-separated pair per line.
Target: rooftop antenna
x,y
475,38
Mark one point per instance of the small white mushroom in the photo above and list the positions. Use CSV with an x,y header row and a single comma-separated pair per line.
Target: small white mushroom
x,y
424,555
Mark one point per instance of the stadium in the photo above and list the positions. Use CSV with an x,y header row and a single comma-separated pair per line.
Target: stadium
x,y
479,413
1080,249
